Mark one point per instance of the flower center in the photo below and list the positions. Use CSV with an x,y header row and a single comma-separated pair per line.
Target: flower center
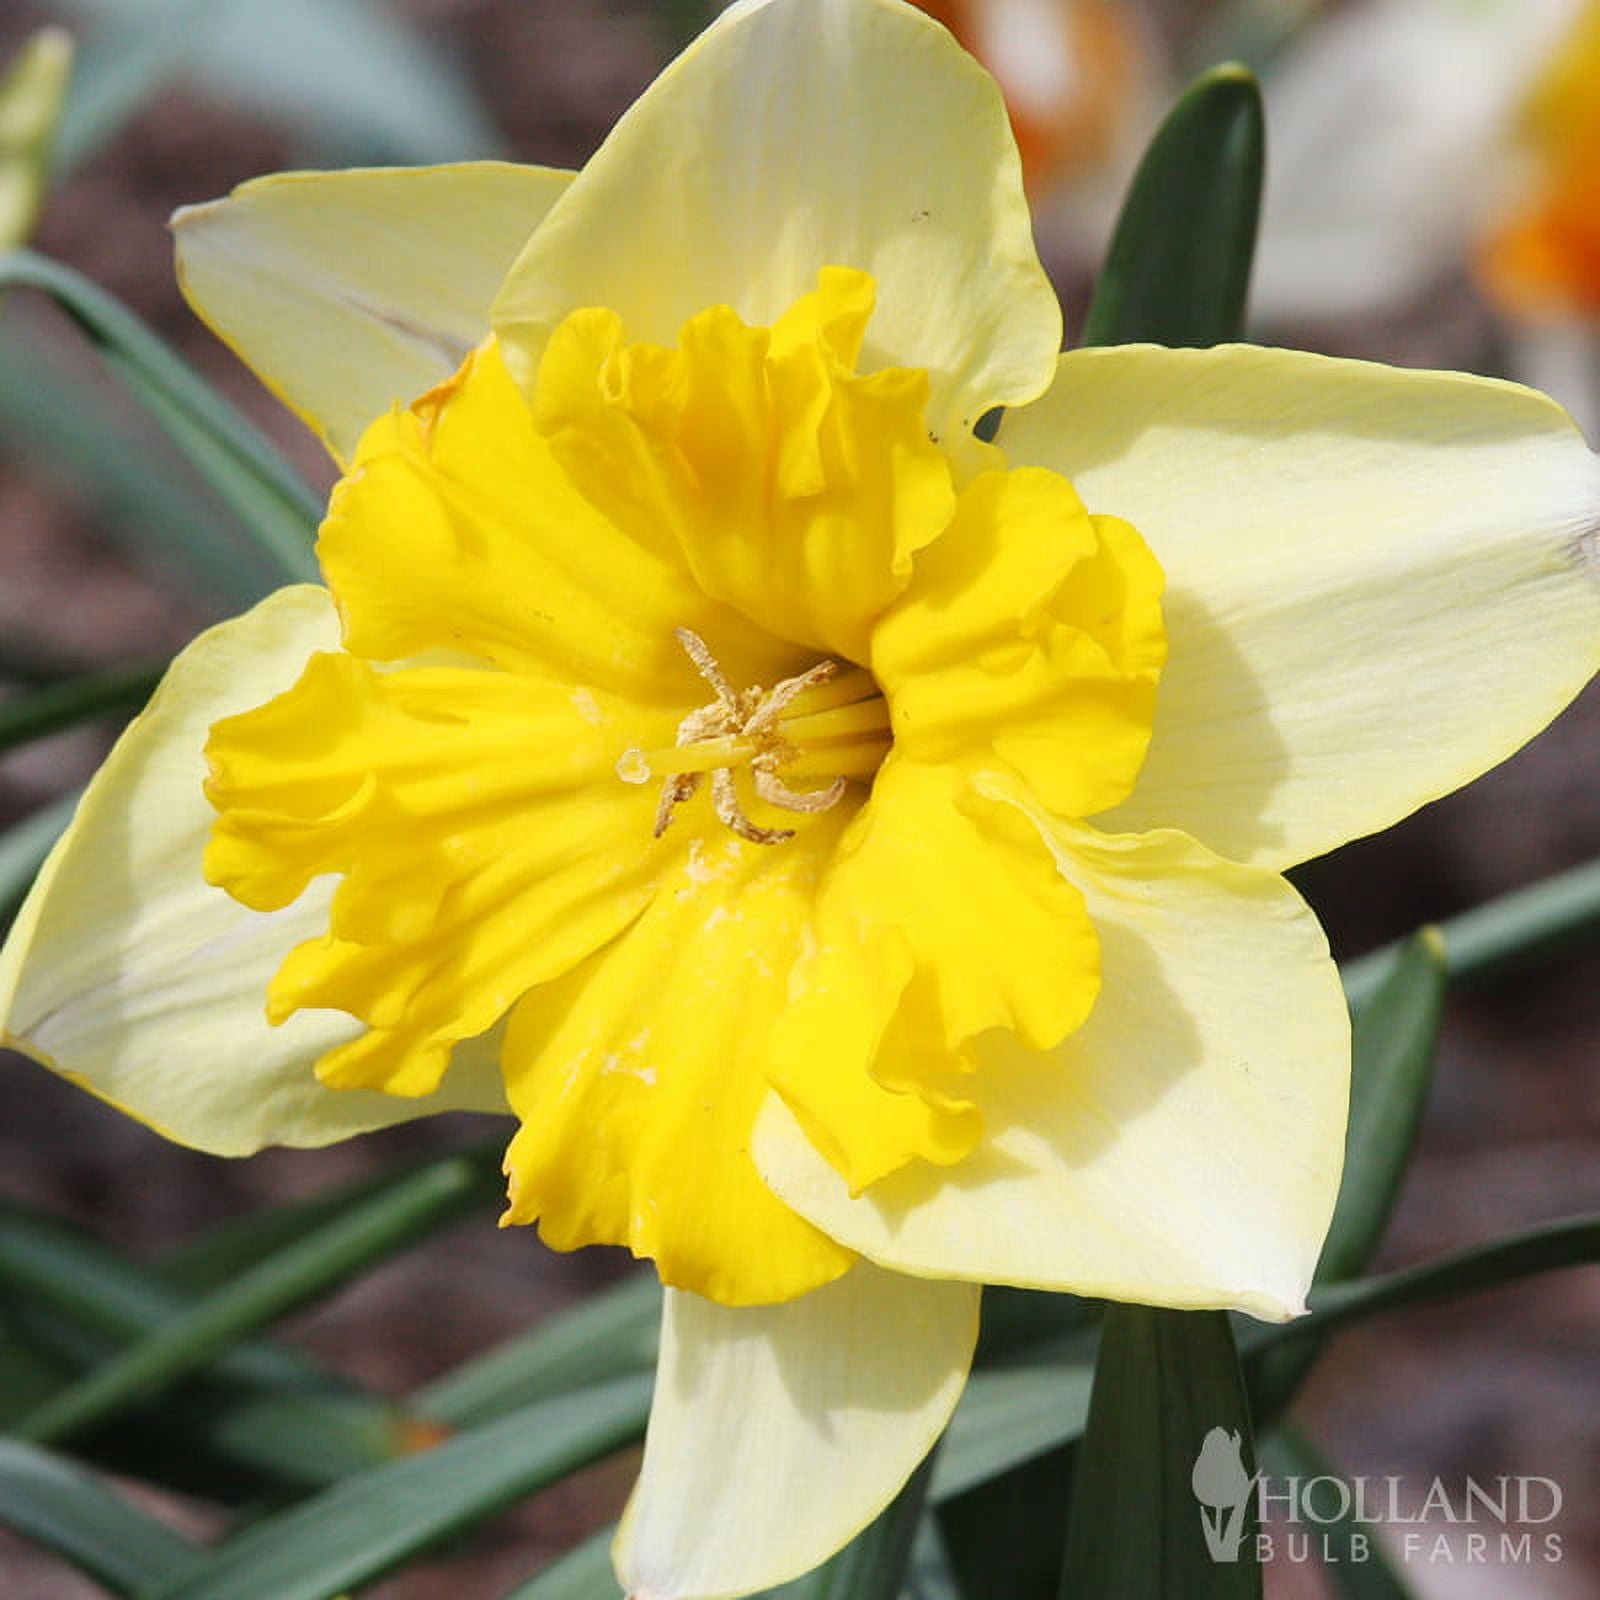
x,y
840,734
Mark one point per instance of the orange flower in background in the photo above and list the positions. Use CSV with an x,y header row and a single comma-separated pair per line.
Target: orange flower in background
x,y
1544,257
1071,71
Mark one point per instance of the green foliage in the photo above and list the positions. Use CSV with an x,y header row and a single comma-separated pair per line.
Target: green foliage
x,y
350,80
58,1505
1164,1381
1178,268
270,502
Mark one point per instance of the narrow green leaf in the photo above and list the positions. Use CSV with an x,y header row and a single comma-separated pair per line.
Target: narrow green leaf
x,y
360,1529
122,472
269,500
1396,1036
1017,1321
1178,268
873,1566
309,1267
1009,1417
349,80
931,1575
1572,1242
605,1336
218,1255
122,66
1558,913
581,1573
96,694
1003,1536
679,21
1359,1569
259,1411
1168,1428
24,846
58,1505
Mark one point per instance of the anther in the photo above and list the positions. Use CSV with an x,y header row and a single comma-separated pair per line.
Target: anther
x,y
751,715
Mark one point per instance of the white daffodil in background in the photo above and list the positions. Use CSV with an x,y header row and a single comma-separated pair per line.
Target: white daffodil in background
x,y
1412,138
852,851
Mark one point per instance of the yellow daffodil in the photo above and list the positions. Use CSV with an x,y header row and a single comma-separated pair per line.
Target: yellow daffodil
x,y
851,850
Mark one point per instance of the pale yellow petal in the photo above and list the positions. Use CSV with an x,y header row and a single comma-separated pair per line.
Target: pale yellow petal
x,y
1379,582
348,292
1182,1148
848,133
131,975
779,1432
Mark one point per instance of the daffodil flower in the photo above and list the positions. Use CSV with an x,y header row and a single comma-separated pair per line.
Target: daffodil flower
x,y
1413,139
851,850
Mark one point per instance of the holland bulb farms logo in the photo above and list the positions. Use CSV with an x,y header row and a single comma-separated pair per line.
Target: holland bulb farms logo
x,y
1501,1521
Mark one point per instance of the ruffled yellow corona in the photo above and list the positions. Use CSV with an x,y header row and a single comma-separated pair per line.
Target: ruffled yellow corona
x,y
739,560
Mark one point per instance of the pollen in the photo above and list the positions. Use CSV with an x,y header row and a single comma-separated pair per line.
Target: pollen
x,y
841,735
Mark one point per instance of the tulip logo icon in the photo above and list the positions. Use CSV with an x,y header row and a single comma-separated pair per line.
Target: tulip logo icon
x,y
1223,1489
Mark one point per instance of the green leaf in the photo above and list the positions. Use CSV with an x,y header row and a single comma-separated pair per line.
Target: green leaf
x,y
272,504
1009,1417
121,67
1396,1036
311,1266
1573,1242
58,1505
930,1574
1016,1322
581,1573
365,1526
1178,268
260,1412
607,1335
1004,1536
1165,1385
1354,1573
121,472
96,694
1559,913
678,22
348,79
218,1255
24,846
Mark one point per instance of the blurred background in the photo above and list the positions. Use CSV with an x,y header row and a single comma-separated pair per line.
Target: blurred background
x,y
1433,200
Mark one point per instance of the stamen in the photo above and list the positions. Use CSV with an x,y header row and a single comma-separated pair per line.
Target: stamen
x,y
747,728
781,694
776,792
706,665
